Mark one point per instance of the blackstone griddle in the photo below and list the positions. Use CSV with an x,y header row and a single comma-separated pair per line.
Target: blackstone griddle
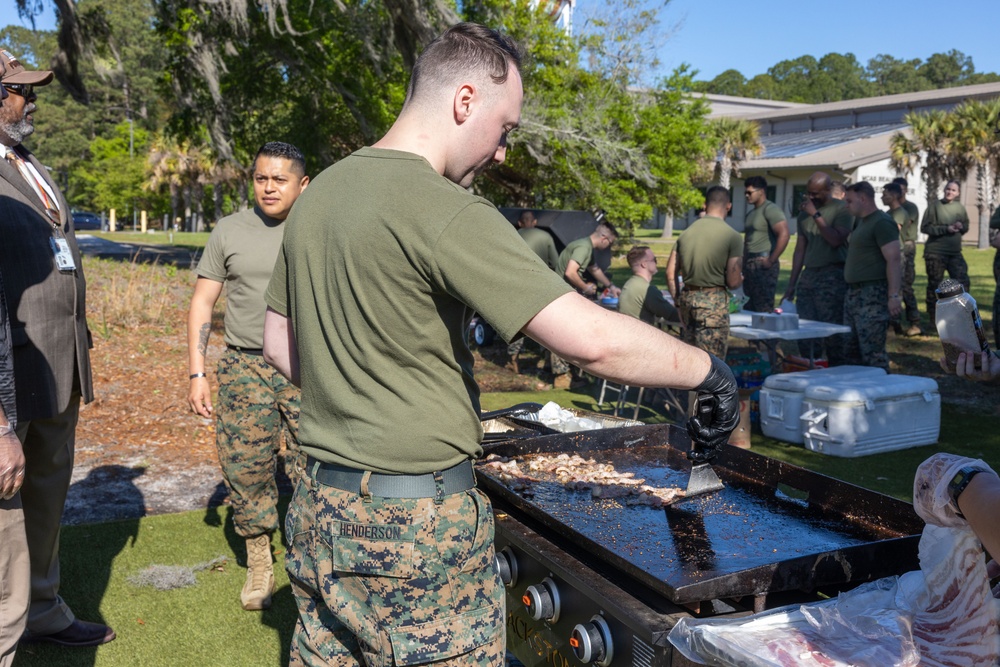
x,y
622,575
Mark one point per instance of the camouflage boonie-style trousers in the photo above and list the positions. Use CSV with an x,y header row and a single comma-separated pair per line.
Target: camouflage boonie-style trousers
x,y
936,265
908,263
759,284
820,296
706,317
557,364
255,406
389,581
866,311
996,301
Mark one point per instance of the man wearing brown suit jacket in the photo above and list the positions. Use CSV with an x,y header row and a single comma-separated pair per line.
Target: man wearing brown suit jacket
x,y
46,297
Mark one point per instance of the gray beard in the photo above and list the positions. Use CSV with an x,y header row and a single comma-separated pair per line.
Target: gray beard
x,y
17,131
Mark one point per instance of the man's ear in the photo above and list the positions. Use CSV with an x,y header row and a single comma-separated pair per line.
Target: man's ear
x,y
464,97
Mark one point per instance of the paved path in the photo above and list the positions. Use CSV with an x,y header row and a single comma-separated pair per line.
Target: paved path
x,y
95,246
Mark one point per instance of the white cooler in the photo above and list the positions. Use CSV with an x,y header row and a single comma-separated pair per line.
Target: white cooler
x,y
781,398
869,415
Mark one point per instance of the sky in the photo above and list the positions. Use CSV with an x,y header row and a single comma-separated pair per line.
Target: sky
x,y
715,35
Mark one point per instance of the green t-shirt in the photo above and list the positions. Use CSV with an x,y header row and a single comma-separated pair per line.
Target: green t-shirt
x,y
541,244
937,218
819,253
759,227
240,252
907,226
383,263
581,250
704,249
864,256
640,299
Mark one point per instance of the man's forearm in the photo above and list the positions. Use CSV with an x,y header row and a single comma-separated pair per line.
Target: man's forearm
x,y
616,347
980,503
600,276
199,328
280,348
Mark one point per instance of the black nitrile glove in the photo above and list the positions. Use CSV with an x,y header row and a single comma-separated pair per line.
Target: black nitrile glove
x,y
708,435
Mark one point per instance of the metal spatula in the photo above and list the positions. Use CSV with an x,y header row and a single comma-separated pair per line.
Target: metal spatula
x,y
703,478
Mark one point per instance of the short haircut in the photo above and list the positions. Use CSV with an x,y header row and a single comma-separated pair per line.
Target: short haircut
x,y
605,229
755,182
717,196
526,214
636,255
956,183
899,180
280,149
894,189
837,186
863,188
460,50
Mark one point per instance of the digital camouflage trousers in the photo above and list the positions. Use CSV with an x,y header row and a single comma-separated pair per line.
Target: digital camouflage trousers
x,y
996,301
389,581
936,266
256,406
820,296
866,311
706,318
759,284
908,260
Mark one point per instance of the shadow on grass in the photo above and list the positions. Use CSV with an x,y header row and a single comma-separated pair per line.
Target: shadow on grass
x,y
85,581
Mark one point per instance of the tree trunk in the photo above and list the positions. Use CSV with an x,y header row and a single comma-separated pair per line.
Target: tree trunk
x,y
187,209
218,202
668,225
983,191
174,203
725,171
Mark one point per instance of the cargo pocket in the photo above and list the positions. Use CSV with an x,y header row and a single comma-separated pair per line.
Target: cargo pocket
x,y
447,638
390,555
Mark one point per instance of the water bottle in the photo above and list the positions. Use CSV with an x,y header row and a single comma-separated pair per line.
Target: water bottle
x,y
958,323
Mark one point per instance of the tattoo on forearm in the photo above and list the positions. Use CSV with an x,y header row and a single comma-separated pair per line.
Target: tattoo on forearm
x,y
203,333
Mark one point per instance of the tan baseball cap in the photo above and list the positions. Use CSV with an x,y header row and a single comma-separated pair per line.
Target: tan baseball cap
x,y
17,74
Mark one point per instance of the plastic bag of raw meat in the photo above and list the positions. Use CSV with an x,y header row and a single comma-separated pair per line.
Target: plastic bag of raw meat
x,y
943,615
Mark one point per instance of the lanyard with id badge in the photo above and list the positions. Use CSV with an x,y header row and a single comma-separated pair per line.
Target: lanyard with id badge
x,y
60,246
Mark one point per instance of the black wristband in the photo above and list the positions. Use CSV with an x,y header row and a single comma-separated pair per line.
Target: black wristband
x,y
196,375
961,480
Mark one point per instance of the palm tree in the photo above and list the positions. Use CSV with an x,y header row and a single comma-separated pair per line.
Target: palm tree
x,y
737,139
978,141
933,134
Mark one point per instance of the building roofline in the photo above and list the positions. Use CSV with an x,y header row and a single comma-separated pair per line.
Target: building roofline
x,y
923,98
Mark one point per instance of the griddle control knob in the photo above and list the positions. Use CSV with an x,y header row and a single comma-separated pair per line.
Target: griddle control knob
x,y
507,566
542,601
591,642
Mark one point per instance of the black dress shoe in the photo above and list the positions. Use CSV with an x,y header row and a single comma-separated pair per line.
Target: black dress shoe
x,y
79,633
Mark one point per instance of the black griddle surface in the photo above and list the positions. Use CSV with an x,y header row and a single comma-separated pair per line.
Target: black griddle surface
x,y
726,531
746,539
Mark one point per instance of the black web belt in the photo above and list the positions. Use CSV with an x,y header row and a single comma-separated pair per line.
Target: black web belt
x,y
455,479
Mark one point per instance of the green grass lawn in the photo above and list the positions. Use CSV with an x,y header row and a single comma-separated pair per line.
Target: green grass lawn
x,y
202,625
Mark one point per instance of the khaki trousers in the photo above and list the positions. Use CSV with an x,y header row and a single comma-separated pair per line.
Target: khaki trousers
x,y
15,572
48,468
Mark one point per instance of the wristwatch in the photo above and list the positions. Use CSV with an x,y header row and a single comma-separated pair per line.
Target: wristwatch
x,y
817,215
961,480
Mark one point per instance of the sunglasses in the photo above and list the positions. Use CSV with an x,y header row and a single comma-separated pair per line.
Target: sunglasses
x,y
22,89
